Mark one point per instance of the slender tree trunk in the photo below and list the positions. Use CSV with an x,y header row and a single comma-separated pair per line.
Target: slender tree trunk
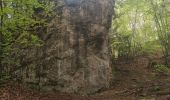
x,y
1,35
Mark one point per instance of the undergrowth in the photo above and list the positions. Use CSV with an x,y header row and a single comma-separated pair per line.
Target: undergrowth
x,y
162,68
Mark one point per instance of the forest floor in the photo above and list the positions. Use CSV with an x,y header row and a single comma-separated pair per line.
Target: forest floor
x,y
134,80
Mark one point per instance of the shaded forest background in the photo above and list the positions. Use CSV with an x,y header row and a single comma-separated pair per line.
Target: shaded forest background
x,y
139,27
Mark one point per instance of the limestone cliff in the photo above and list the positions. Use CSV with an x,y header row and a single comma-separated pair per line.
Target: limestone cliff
x,y
75,57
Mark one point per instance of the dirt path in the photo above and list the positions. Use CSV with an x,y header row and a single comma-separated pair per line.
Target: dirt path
x,y
133,81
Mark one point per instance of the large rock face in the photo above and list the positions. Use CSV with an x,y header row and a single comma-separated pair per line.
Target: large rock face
x,y
76,56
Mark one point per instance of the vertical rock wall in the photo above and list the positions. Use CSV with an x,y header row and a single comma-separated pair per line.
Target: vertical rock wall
x,y
75,57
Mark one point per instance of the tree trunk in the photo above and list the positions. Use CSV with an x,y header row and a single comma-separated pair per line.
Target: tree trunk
x,y
1,35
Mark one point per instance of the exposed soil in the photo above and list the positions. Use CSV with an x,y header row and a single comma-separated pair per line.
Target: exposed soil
x,y
134,80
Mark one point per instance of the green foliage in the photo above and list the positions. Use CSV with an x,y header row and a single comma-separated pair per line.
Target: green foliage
x,y
20,21
134,30
151,47
120,42
160,10
162,68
